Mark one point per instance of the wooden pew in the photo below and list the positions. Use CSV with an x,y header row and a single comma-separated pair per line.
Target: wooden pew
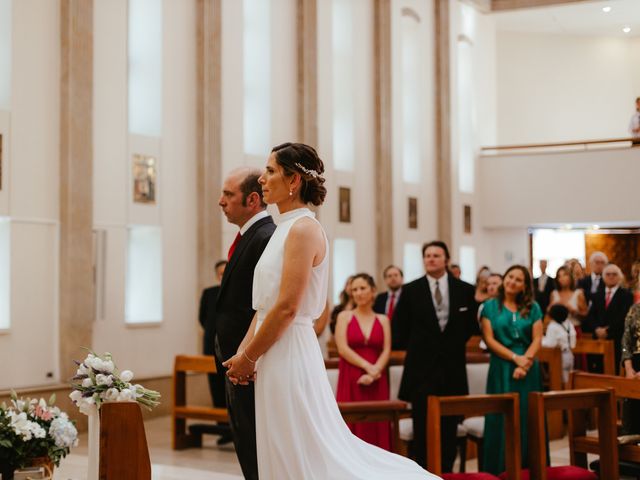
x,y
552,358
576,402
580,445
598,347
124,454
181,411
472,406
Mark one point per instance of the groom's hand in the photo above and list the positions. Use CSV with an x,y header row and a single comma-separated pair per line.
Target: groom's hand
x,y
240,370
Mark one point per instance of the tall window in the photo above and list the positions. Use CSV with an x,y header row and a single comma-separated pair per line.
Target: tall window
x,y
412,105
257,77
143,301
556,246
466,114
5,273
343,85
145,67
412,263
5,54
468,264
344,264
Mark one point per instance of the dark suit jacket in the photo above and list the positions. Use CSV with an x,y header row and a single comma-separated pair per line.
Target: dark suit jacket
x,y
585,284
612,317
435,361
233,308
380,303
207,317
543,297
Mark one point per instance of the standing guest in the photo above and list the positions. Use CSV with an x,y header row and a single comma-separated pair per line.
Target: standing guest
x,y
493,284
577,270
243,205
512,329
363,339
561,334
568,295
543,286
631,364
386,302
609,309
455,270
634,125
207,318
434,319
634,282
346,303
592,284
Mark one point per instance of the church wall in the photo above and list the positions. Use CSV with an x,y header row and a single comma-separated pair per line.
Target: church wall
x,y
555,88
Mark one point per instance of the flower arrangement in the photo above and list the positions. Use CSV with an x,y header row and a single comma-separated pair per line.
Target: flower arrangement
x,y
31,428
97,381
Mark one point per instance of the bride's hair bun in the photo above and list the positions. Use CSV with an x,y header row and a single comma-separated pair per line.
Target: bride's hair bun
x,y
303,160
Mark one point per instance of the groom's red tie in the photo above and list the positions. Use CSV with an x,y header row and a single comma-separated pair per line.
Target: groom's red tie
x,y
232,248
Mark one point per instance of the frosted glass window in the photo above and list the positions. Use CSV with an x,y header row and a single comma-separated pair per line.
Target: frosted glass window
x,y
556,246
5,273
468,264
412,120
143,303
5,54
412,263
466,114
145,67
257,77
344,264
343,86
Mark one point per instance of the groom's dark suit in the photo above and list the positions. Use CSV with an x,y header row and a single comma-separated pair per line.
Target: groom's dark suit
x,y
233,318
435,363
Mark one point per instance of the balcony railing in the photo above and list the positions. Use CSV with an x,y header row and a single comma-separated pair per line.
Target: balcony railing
x,y
556,147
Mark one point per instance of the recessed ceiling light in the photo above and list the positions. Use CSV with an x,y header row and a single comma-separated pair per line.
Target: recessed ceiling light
x,y
606,9
626,29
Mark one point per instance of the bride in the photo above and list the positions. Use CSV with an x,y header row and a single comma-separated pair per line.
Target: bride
x,y
300,432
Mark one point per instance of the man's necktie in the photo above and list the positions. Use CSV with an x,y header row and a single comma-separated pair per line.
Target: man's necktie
x,y
595,284
438,294
607,299
392,304
233,246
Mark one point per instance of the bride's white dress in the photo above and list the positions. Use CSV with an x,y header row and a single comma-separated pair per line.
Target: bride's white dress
x,y
300,432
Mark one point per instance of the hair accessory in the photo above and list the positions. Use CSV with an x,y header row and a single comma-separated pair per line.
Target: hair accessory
x,y
312,173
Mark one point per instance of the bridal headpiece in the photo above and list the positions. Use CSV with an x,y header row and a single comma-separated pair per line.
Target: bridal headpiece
x,y
308,171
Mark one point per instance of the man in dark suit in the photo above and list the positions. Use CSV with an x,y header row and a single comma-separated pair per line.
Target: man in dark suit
x,y
608,312
592,283
543,286
207,318
242,203
434,319
386,302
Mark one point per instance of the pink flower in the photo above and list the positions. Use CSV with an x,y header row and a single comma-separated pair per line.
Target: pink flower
x,y
43,413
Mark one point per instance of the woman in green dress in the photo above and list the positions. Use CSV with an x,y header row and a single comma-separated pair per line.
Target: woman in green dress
x,y
512,329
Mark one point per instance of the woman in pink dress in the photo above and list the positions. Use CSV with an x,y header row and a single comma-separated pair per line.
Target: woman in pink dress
x,y
363,339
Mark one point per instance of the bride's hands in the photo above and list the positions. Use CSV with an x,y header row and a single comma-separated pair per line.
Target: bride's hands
x,y
240,369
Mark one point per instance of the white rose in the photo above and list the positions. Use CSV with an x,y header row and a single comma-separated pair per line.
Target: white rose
x,y
111,395
125,395
75,396
83,369
126,375
108,366
104,379
87,382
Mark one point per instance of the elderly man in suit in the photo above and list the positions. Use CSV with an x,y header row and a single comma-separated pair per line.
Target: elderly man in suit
x,y
242,203
386,302
434,319
592,283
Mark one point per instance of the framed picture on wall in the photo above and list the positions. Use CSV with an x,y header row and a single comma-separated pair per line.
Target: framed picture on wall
x,y
344,205
413,213
144,178
467,219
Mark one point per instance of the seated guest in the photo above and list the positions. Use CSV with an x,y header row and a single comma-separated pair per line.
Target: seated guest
x,y
363,339
386,302
631,363
609,310
346,303
566,294
592,283
512,329
455,270
634,282
561,334
543,286
493,284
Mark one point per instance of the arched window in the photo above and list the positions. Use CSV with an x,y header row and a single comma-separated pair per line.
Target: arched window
x,y
412,104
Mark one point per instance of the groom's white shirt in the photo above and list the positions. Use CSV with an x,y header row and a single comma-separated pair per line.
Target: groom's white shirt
x,y
252,220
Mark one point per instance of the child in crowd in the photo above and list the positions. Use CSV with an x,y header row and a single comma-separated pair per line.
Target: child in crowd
x,y
561,333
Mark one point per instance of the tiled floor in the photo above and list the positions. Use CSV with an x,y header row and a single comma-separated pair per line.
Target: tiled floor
x,y
210,462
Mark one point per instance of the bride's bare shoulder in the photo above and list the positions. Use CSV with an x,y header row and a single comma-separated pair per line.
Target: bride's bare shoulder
x,y
305,229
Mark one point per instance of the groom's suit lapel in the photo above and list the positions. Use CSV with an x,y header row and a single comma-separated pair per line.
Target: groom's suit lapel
x,y
245,240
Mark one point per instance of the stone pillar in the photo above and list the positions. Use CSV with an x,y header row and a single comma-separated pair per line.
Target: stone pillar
x,y
307,37
76,183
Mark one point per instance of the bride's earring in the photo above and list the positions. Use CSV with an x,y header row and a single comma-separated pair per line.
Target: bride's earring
x,y
291,193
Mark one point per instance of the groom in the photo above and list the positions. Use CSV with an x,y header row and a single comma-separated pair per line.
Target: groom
x,y
242,204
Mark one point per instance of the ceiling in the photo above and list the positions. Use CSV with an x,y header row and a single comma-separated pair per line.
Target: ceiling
x,y
584,18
